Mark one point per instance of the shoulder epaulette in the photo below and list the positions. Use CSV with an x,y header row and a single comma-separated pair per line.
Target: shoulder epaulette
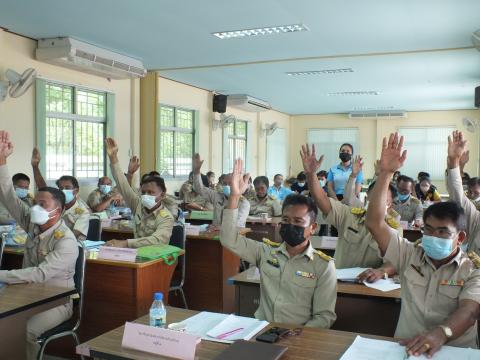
x,y
79,211
271,243
164,213
358,211
418,242
323,255
415,200
392,222
58,234
475,258
272,197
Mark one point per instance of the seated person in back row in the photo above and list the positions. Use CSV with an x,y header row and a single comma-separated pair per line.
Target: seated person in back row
x,y
77,213
298,284
440,283
218,199
473,191
408,206
262,202
426,191
51,249
104,196
301,185
192,199
277,190
152,221
355,246
21,183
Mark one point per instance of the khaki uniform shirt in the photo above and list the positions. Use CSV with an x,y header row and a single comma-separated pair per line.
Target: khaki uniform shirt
x,y
149,228
409,210
455,190
250,193
428,300
192,197
355,246
96,197
219,200
266,205
50,256
77,218
300,290
5,215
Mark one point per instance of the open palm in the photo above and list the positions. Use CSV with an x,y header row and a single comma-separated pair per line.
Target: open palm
x,y
393,156
309,159
457,145
112,147
6,146
357,165
239,183
133,164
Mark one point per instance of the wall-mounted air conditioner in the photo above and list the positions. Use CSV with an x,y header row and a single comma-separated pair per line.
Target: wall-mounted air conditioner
x,y
247,103
377,114
78,55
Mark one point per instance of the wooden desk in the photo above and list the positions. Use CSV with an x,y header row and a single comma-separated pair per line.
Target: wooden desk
x,y
264,229
313,343
358,308
117,232
17,304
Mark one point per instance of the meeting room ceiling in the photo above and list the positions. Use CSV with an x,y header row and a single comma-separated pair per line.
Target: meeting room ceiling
x,y
355,56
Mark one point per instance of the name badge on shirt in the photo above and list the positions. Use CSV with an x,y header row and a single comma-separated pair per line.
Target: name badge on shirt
x,y
452,282
274,263
305,274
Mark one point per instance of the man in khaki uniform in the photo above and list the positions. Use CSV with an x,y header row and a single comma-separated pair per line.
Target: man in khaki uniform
x,y
103,197
51,249
192,199
408,206
153,222
218,199
262,202
77,213
297,283
21,183
440,283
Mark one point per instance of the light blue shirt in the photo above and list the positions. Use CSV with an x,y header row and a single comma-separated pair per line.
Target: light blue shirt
x,y
339,175
279,194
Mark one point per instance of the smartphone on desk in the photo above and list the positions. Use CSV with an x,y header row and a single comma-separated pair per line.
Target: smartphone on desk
x,y
272,335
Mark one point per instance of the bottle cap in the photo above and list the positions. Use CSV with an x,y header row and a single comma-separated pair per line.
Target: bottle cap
x,y
158,296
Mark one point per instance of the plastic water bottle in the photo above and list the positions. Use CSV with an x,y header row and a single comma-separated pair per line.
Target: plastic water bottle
x,y
12,231
181,217
158,313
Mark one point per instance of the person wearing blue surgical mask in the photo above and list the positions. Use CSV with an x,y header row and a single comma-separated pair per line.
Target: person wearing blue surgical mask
x,y
440,282
104,197
408,206
21,184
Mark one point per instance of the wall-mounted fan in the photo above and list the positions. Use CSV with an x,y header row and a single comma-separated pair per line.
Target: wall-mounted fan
x,y
470,124
269,129
223,121
16,84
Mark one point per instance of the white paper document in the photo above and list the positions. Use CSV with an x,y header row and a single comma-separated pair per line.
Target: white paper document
x,y
370,349
383,285
349,274
253,273
223,327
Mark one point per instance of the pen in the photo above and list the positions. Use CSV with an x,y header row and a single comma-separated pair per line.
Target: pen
x,y
227,334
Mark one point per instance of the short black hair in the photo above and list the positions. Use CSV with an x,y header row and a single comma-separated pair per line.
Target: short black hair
x,y
103,177
301,176
423,174
155,179
72,179
322,173
210,173
405,178
20,176
347,144
475,181
57,195
277,175
297,199
204,180
425,178
393,190
221,178
261,180
150,174
447,210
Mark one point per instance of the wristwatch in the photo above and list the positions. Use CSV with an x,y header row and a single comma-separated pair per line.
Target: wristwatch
x,y
447,331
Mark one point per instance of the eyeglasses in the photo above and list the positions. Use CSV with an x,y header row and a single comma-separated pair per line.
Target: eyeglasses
x,y
443,233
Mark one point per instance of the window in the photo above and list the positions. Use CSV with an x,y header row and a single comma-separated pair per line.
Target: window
x,y
328,141
236,143
75,129
277,153
175,141
427,150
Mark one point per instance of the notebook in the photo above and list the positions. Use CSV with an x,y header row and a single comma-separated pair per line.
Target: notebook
x,y
241,350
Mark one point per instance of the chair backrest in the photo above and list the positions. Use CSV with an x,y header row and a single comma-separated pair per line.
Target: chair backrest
x,y
3,237
79,278
94,229
178,239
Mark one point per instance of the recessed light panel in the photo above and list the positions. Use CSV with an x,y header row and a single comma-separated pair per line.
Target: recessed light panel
x,y
319,72
230,34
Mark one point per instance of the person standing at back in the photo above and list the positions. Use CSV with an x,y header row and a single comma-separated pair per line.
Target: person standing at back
x,y
338,175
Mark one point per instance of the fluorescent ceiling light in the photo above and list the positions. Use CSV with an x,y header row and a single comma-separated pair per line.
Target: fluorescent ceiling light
x,y
319,72
369,108
260,31
353,93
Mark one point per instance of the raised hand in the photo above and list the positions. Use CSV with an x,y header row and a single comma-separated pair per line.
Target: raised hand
x,y
357,165
111,147
376,166
6,146
35,157
457,146
133,165
239,183
464,158
197,164
309,159
393,156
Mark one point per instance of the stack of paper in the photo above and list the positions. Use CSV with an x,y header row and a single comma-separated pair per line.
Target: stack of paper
x,y
383,285
349,274
93,245
369,349
222,327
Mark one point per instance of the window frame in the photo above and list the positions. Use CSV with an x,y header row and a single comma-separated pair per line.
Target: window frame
x,y
226,149
174,129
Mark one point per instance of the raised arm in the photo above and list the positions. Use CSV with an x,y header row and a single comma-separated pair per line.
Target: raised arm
x,y
37,174
392,159
133,166
310,166
204,191
350,197
464,160
129,195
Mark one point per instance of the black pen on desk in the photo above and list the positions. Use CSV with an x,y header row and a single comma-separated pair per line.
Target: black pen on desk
x,y
417,269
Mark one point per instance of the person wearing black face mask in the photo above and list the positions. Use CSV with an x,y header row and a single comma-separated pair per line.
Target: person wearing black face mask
x,y
338,175
297,283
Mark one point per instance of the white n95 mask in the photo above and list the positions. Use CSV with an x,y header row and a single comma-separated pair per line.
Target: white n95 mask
x,y
149,201
39,215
